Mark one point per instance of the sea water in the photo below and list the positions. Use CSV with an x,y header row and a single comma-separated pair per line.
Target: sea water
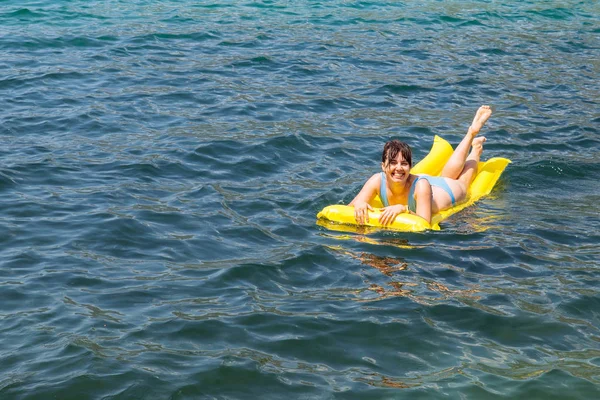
x,y
163,162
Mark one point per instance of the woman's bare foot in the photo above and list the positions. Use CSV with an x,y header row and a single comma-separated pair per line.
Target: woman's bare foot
x,y
481,117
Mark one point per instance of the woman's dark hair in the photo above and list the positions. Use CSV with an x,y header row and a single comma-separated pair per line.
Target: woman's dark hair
x,y
391,150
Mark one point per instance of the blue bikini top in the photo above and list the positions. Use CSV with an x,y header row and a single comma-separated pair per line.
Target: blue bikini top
x,y
438,181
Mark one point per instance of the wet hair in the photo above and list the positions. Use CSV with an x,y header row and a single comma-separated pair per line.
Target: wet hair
x,y
391,150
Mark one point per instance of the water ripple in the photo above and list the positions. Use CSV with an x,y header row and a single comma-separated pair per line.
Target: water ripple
x,y
164,163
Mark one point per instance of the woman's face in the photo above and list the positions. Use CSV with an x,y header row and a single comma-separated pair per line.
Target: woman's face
x,y
397,170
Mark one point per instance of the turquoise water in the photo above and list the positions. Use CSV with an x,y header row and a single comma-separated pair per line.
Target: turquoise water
x,y
163,163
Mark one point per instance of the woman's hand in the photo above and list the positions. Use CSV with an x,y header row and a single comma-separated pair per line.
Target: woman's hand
x,y
389,214
361,212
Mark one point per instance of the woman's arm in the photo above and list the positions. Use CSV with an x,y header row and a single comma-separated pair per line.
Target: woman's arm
x,y
423,197
364,197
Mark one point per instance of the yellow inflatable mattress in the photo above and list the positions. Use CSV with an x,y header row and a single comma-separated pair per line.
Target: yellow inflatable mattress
x,y
487,175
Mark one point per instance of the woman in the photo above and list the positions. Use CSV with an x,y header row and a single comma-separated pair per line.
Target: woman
x,y
423,195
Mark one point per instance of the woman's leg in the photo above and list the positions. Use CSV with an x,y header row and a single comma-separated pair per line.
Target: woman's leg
x,y
470,169
457,161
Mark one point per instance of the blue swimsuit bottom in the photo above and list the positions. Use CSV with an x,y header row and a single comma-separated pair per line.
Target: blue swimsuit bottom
x,y
412,204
